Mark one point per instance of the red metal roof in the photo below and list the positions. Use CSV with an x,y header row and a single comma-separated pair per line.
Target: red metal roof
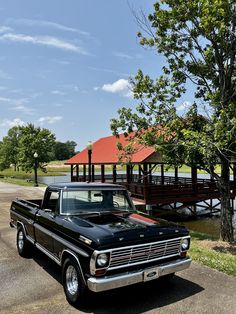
x,y
105,151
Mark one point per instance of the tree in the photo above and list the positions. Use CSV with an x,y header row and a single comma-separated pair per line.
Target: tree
x,y
34,139
10,148
65,150
198,40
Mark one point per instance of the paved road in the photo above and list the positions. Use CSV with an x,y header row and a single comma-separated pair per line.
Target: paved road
x,y
33,285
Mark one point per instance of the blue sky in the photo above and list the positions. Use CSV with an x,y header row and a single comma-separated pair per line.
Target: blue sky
x,y
65,65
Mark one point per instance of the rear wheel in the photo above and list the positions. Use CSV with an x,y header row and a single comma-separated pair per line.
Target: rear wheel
x,y
23,245
73,283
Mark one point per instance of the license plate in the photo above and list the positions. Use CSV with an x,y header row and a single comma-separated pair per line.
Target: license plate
x,y
150,274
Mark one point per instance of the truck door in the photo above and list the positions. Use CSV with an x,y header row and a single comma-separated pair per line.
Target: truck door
x,y
45,220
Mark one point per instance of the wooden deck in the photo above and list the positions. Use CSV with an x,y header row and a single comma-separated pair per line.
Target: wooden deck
x,y
165,191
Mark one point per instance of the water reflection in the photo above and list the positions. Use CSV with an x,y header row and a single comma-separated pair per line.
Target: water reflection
x,y
55,179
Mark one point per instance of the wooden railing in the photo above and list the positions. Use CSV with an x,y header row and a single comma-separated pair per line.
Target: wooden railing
x,y
166,189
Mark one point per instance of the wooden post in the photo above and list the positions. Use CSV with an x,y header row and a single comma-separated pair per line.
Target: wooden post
x,y
77,172
162,175
139,173
93,173
84,172
145,182
194,178
150,173
131,173
71,173
176,174
128,173
103,173
114,173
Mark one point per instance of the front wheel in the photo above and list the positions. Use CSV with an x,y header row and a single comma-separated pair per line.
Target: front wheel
x,y
73,283
23,245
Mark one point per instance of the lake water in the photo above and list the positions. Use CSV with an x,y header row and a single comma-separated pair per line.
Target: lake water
x,y
209,225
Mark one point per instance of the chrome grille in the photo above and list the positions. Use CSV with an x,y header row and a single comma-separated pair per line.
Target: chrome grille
x,y
144,253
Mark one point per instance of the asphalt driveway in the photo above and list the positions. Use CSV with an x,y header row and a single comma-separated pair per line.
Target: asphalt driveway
x,y
34,285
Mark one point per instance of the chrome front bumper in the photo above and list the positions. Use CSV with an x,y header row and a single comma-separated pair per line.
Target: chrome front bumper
x,y
130,278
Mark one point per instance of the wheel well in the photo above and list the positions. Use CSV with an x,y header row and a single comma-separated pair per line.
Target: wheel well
x,y
68,254
20,224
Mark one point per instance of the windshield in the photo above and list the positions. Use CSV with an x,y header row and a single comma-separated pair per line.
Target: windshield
x,y
87,201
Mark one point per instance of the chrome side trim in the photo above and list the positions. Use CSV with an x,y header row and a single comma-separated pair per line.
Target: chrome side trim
x,y
61,240
30,239
24,230
130,278
29,221
49,254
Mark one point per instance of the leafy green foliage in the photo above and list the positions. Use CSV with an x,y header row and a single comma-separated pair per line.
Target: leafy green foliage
x,y
65,150
198,40
34,139
9,148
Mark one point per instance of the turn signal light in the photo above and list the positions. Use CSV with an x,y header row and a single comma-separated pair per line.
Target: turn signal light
x,y
100,272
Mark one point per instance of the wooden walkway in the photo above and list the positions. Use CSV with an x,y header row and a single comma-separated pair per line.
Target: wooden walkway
x,y
159,191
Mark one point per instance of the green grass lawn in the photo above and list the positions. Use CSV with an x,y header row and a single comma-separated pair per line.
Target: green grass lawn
x,y
215,254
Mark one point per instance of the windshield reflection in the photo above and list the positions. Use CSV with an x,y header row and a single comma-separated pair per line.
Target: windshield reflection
x,y
95,201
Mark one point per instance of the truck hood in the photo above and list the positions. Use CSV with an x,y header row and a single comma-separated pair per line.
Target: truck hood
x,y
117,229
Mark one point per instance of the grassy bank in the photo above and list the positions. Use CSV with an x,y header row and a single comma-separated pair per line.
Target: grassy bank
x,y
19,181
215,254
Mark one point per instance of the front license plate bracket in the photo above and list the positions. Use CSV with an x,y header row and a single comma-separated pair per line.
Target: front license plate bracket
x,y
150,274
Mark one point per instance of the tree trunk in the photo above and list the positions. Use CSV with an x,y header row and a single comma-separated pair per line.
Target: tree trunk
x,y
226,231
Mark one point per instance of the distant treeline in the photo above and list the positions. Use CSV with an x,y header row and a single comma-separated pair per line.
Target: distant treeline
x,y
18,148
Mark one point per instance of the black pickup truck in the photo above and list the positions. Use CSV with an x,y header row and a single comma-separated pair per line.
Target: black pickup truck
x,y
95,234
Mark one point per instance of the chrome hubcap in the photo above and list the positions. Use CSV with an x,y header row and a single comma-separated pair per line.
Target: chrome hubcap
x,y
20,240
72,280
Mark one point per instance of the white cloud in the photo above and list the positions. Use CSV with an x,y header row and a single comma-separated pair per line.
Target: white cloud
x,y
12,123
24,109
4,99
184,106
57,92
74,88
49,120
14,101
122,55
4,75
121,87
42,23
108,71
61,62
43,41
4,29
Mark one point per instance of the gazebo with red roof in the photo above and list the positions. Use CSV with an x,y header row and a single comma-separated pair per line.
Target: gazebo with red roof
x,y
144,183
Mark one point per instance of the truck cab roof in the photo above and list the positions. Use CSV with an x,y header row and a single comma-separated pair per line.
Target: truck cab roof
x,y
85,185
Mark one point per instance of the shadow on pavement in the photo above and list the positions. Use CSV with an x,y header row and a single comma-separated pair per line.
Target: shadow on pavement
x,y
137,298
143,297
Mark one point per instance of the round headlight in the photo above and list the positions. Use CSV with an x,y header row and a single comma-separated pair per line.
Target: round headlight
x,y
184,244
102,260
